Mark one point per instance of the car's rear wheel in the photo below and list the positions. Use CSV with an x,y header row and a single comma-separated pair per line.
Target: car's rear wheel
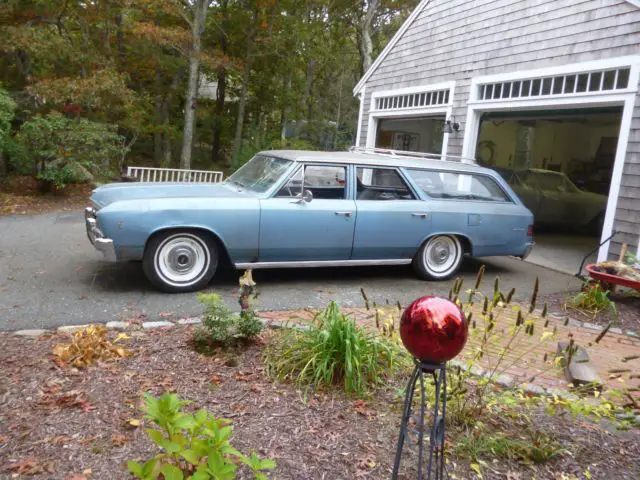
x,y
181,261
439,258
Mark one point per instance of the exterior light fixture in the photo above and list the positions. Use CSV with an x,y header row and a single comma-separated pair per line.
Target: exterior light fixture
x,y
450,126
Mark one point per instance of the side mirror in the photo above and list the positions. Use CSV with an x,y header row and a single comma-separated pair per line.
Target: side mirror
x,y
306,197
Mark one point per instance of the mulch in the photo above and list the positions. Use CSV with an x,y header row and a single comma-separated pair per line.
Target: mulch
x,y
62,423
627,306
23,196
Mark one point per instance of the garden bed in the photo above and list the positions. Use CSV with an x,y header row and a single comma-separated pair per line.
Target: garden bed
x,y
627,306
60,422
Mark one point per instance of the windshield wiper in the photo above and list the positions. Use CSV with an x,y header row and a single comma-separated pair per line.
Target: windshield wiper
x,y
240,184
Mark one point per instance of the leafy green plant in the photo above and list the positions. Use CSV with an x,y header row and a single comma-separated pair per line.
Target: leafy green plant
x,y
7,111
593,299
333,350
54,141
530,445
222,327
193,446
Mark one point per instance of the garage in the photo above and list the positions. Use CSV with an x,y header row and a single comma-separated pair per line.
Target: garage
x,y
560,163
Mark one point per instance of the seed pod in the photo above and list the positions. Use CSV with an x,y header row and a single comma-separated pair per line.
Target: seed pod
x,y
545,310
479,277
510,295
534,295
485,307
496,285
603,332
377,319
366,299
520,319
399,305
546,357
566,321
450,294
546,324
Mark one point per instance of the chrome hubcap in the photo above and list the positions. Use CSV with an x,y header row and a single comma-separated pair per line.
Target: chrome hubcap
x,y
182,260
441,254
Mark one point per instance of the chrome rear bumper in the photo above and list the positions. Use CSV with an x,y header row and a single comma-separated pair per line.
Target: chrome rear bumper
x,y
97,238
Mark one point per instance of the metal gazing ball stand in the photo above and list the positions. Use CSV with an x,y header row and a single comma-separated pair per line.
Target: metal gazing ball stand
x,y
435,463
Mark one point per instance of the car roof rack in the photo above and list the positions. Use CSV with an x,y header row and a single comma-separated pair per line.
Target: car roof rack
x,y
404,153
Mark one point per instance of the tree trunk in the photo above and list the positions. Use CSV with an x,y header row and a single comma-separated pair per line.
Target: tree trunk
x,y
221,91
166,111
158,120
200,10
365,45
242,103
120,36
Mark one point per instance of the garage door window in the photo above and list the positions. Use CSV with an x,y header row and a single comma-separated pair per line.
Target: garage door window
x,y
459,186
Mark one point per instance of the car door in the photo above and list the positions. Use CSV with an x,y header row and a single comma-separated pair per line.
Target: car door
x,y
392,221
322,229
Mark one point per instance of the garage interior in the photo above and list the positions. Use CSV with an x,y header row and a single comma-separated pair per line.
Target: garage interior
x,y
419,134
581,144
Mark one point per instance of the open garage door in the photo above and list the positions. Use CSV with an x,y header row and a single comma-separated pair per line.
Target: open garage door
x,y
560,163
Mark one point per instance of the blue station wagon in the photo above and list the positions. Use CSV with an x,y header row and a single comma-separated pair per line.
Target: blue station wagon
x,y
312,209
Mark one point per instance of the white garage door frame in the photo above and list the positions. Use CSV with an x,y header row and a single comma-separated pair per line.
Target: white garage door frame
x,y
406,112
624,97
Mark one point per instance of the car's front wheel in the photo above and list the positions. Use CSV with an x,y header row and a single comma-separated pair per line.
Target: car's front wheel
x,y
180,261
439,257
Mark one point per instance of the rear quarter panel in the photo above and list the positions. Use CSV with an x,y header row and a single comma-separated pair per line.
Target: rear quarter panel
x,y
492,228
235,221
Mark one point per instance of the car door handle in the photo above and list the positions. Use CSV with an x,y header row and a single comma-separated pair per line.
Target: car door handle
x,y
420,214
344,214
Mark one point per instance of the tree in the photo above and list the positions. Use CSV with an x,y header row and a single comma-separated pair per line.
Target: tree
x,y
196,20
7,111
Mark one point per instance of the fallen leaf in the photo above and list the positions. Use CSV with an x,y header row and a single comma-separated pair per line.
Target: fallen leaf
x,y
257,389
31,466
118,440
76,477
134,423
243,376
216,380
166,314
367,462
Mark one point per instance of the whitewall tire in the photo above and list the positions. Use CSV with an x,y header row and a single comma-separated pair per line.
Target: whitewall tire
x,y
180,261
439,258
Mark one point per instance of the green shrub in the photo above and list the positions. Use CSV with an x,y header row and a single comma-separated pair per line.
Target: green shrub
x,y
7,111
333,350
222,327
62,148
193,446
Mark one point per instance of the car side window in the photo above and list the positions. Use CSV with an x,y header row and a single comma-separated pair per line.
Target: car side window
x,y
458,185
381,184
324,182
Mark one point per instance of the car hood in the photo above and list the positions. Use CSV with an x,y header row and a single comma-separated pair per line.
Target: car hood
x,y
115,192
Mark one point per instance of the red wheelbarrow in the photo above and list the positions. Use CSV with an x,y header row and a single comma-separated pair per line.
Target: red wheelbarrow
x,y
607,280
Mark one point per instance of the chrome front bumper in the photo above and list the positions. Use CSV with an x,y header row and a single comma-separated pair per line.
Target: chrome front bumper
x,y
97,238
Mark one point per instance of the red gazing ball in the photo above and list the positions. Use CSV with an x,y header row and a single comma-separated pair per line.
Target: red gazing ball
x,y
434,329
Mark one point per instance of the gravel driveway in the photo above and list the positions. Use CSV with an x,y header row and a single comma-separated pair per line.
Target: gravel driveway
x,y
50,275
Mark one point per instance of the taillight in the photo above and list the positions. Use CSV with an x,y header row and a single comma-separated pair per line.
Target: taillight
x,y
530,231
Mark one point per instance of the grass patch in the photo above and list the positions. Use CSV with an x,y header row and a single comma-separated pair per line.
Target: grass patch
x,y
333,351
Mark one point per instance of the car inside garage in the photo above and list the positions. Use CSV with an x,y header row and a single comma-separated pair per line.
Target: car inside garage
x,y
560,163
419,134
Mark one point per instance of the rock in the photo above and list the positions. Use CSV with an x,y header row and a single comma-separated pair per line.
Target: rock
x,y
150,325
504,380
190,321
533,389
579,371
30,333
71,328
117,325
561,394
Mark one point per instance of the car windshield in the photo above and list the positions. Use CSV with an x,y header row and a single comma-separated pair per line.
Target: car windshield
x,y
551,182
260,173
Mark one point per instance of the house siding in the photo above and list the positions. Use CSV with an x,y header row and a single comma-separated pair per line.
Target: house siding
x,y
461,39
